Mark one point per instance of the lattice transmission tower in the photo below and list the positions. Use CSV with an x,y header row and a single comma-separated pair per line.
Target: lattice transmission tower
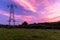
x,y
11,17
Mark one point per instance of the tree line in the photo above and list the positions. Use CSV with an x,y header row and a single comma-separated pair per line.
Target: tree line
x,y
46,25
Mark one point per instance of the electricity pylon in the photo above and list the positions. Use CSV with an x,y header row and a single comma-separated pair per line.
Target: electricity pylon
x,y
11,17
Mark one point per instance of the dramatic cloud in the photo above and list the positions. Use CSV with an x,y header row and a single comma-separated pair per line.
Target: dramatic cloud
x,y
33,10
25,4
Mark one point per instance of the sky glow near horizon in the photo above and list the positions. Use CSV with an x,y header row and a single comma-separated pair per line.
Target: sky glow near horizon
x,y
31,11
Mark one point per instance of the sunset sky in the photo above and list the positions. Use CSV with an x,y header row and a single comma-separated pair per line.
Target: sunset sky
x,y
32,11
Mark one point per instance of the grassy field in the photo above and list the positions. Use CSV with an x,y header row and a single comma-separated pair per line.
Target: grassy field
x,y
29,34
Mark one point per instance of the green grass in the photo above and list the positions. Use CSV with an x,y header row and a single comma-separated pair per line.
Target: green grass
x,y
29,34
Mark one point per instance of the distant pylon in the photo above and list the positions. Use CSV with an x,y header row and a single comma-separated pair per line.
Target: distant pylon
x,y
11,17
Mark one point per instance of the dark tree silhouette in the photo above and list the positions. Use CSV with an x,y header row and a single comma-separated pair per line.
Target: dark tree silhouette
x,y
24,23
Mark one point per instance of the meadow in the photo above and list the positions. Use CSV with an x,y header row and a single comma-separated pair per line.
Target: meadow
x,y
29,34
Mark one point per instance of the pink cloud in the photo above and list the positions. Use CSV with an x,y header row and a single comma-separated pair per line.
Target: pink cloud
x,y
31,19
50,14
18,17
25,4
